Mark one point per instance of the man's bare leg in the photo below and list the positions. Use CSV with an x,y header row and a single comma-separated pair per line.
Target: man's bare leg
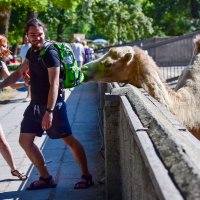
x,y
26,141
78,153
5,150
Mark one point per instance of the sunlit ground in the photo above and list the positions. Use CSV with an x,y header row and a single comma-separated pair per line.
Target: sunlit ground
x,y
6,94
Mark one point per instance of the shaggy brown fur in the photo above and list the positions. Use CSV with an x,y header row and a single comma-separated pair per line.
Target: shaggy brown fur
x,y
133,65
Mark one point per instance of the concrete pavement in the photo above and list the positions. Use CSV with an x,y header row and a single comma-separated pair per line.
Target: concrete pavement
x,y
82,106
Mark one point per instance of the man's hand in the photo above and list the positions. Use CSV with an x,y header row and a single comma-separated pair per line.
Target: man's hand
x,y
26,78
47,120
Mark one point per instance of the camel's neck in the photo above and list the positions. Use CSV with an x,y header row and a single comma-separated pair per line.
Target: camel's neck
x,y
157,89
147,76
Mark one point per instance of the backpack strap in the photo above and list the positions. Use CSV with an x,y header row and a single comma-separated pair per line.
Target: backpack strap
x,y
47,44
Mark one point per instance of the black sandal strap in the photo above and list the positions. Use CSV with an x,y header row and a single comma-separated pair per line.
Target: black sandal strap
x,y
46,180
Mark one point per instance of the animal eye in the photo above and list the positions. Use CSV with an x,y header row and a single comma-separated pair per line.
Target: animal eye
x,y
108,65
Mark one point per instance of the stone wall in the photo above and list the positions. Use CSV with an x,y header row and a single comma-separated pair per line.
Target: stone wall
x,y
148,153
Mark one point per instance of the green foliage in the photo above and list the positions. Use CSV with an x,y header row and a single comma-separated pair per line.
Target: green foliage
x,y
76,18
18,16
83,19
172,17
121,22
5,5
63,4
17,27
114,20
36,5
55,16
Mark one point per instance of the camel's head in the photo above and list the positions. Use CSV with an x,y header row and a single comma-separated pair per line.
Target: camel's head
x,y
111,67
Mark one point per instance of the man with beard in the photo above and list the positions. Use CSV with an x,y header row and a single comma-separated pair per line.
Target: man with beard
x,y
47,109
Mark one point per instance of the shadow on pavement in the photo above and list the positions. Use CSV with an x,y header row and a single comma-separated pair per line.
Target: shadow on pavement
x,y
11,101
82,107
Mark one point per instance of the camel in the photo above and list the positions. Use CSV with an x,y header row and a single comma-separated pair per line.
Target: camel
x,y
133,65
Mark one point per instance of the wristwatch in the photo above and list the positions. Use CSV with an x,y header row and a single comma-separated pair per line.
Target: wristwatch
x,y
49,110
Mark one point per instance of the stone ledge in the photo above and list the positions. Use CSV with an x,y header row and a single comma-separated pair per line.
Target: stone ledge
x,y
179,153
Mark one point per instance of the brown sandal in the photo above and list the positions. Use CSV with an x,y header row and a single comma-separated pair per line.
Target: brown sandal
x,y
85,182
42,183
21,176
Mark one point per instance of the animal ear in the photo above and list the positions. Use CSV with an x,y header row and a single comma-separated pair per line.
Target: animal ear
x,y
128,57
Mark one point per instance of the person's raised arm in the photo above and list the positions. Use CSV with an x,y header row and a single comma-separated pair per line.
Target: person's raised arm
x,y
11,79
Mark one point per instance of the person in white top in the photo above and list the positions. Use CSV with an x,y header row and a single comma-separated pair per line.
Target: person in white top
x,y
23,50
79,51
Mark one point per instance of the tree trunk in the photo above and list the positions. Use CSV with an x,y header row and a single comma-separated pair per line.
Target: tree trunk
x,y
194,9
60,31
31,14
60,28
4,21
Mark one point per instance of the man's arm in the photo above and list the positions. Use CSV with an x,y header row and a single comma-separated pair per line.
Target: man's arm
x,y
54,74
5,73
15,76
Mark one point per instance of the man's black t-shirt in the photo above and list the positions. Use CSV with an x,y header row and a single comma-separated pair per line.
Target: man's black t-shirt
x,y
39,80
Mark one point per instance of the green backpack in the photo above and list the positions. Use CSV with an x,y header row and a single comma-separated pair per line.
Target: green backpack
x,y
71,74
